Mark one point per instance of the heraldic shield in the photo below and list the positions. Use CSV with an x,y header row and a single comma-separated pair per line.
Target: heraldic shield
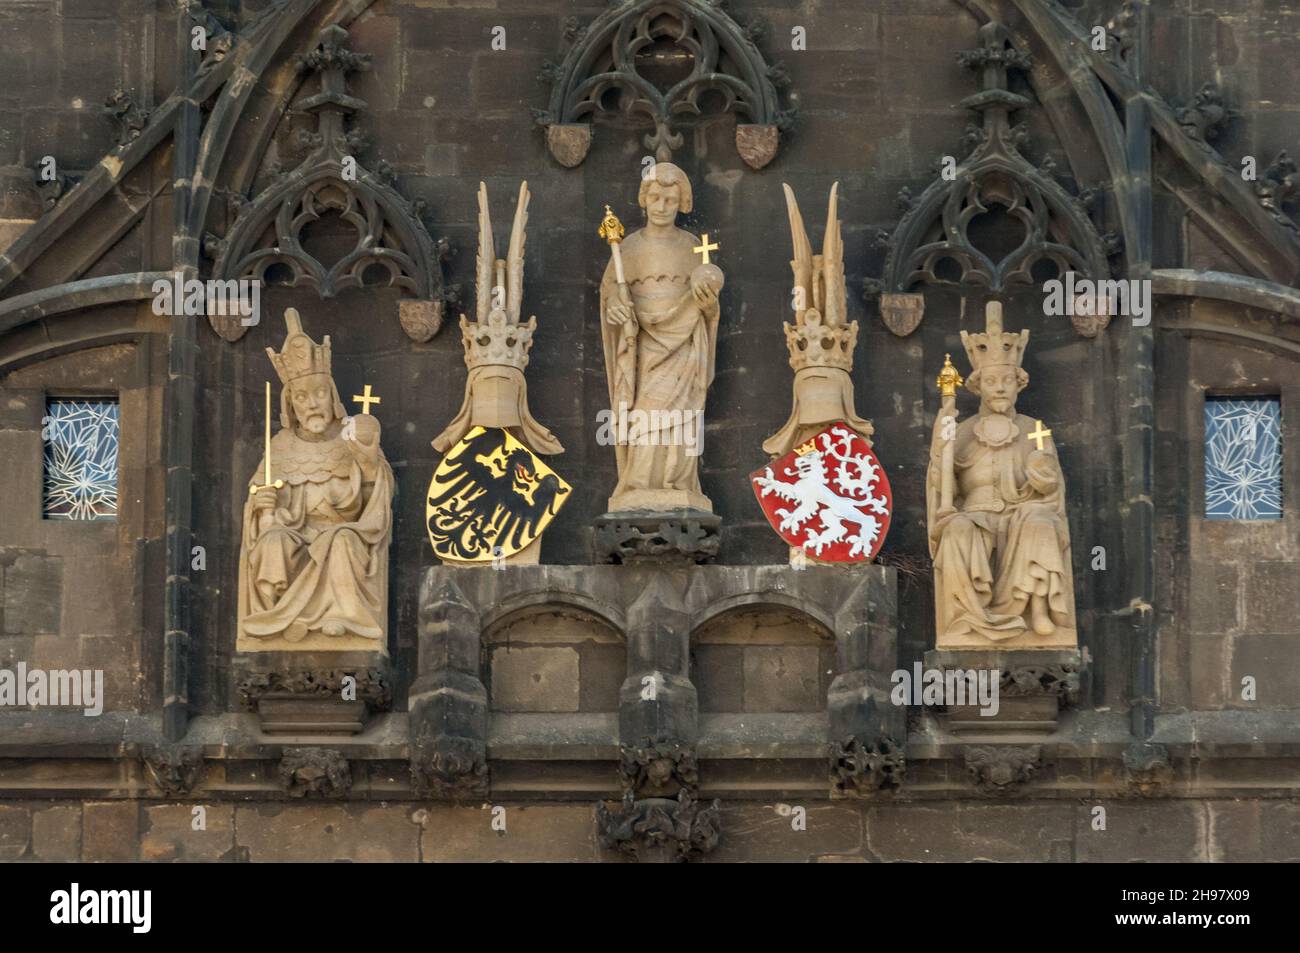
x,y
828,497
490,497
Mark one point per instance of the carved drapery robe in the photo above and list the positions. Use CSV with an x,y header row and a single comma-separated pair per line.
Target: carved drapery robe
x,y
1009,540
322,554
664,365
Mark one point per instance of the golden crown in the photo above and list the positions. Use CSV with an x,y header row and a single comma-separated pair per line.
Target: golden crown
x,y
994,346
300,355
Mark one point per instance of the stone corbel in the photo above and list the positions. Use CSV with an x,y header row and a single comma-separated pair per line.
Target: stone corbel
x,y
172,769
660,830
448,701
1147,768
290,695
1002,769
315,772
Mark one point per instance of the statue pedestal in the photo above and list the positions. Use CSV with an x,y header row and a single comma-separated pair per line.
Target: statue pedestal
x,y
314,693
680,537
1034,686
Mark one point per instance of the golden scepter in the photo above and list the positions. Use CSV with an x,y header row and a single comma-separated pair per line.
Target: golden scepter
x,y
948,381
611,229
266,472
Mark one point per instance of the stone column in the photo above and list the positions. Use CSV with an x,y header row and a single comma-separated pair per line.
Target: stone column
x,y
448,701
868,733
658,709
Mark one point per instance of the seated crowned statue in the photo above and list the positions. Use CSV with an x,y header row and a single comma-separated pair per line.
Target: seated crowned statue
x,y
313,567
995,510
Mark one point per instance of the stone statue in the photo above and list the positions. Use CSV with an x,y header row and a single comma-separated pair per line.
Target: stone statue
x,y
821,339
659,322
497,341
995,509
474,510
313,562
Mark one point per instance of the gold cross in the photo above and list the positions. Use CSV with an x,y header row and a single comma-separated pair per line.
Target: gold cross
x,y
1038,435
365,400
703,248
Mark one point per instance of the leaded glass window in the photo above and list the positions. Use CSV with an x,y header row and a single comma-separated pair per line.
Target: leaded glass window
x,y
1243,458
81,439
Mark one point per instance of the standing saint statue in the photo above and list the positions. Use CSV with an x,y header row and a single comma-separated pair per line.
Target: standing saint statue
x,y
995,509
313,563
659,323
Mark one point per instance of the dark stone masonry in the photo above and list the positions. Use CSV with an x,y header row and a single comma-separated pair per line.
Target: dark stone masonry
x,y
677,690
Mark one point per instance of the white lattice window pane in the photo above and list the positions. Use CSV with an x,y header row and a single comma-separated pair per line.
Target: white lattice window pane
x,y
1243,458
81,440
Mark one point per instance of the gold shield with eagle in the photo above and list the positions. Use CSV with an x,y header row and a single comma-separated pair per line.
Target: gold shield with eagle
x,y
490,497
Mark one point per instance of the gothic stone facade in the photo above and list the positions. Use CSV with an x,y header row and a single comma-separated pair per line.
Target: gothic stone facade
x,y
164,158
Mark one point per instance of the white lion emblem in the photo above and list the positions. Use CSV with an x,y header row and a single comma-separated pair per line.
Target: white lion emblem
x,y
856,476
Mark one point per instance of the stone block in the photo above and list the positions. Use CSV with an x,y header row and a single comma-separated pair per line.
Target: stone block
x,y
1213,596
169,833
15,831
1274,662
1273,597
763,832
56,834
535,679
33,595
540,833
110,832
782,678
603,669
1168,831
718,676
327,833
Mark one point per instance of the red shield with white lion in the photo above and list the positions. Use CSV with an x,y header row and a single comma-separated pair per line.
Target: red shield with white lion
x,y
829,497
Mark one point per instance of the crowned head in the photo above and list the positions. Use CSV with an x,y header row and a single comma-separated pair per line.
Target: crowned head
x,y
309,400
995,356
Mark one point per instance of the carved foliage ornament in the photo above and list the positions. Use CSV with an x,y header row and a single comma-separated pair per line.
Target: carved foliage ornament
x,y
942,237
654,61
657,829
859,769
391,247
